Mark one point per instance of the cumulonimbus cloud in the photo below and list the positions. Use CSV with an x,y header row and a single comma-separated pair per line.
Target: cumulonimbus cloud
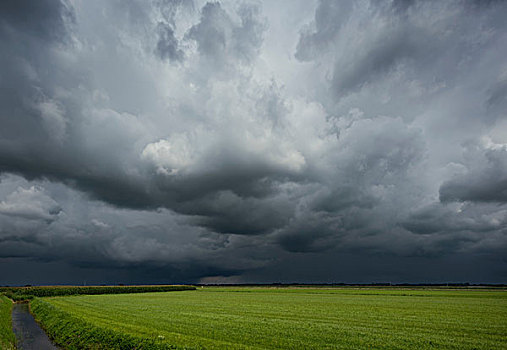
x,y
237,144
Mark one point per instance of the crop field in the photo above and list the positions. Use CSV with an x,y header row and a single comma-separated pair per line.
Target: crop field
x,y
290,318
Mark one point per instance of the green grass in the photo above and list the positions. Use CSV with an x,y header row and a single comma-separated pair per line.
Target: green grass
x,y
290,318
7,338
74,333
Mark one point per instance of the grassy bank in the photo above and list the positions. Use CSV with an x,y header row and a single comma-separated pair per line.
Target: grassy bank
x,y
74,333
7,338
246,318
23,293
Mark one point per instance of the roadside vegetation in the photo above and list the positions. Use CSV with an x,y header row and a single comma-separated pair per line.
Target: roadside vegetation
x,y
288,318
73,333
7,338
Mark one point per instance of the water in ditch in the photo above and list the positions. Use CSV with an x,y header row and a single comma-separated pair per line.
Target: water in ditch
x,y
29,335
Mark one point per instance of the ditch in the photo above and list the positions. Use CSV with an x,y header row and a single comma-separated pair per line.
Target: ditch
x,y
29,334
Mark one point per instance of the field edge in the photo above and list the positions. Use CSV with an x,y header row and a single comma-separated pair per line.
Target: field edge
x,y
29,292
7,337
73,333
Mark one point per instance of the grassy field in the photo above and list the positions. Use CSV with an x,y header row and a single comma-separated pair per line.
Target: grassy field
x,y
7,338
249,318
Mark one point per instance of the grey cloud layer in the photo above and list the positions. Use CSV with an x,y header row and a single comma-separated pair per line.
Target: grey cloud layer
x,y
180,135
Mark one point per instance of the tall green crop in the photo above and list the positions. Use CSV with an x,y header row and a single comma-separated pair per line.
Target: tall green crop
x,y
290,318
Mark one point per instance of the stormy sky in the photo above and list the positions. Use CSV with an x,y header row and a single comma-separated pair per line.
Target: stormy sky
x,y
175,141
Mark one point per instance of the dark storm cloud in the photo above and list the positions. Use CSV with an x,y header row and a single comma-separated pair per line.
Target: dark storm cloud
x,y
386,54
49,222
498,94
220,39
497,100
436,218
30,204
27,28
485,180
229,213
402,5
329,18
204,139
211,32
103,175
383,42
167,46
311,233
45,19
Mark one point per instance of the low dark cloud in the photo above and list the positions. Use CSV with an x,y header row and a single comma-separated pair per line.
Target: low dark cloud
x,y
448,219
329,18
223,41
388,53
183,140
484,181
167,46
45,19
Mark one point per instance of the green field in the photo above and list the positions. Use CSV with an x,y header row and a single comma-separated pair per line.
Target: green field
x,y
291,318
7,339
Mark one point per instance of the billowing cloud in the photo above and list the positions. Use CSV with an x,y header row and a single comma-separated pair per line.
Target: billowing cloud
x,y
485,179
223,40
248,140
30,203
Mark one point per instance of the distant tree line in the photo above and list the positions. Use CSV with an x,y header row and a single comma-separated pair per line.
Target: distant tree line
x,y
29,292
